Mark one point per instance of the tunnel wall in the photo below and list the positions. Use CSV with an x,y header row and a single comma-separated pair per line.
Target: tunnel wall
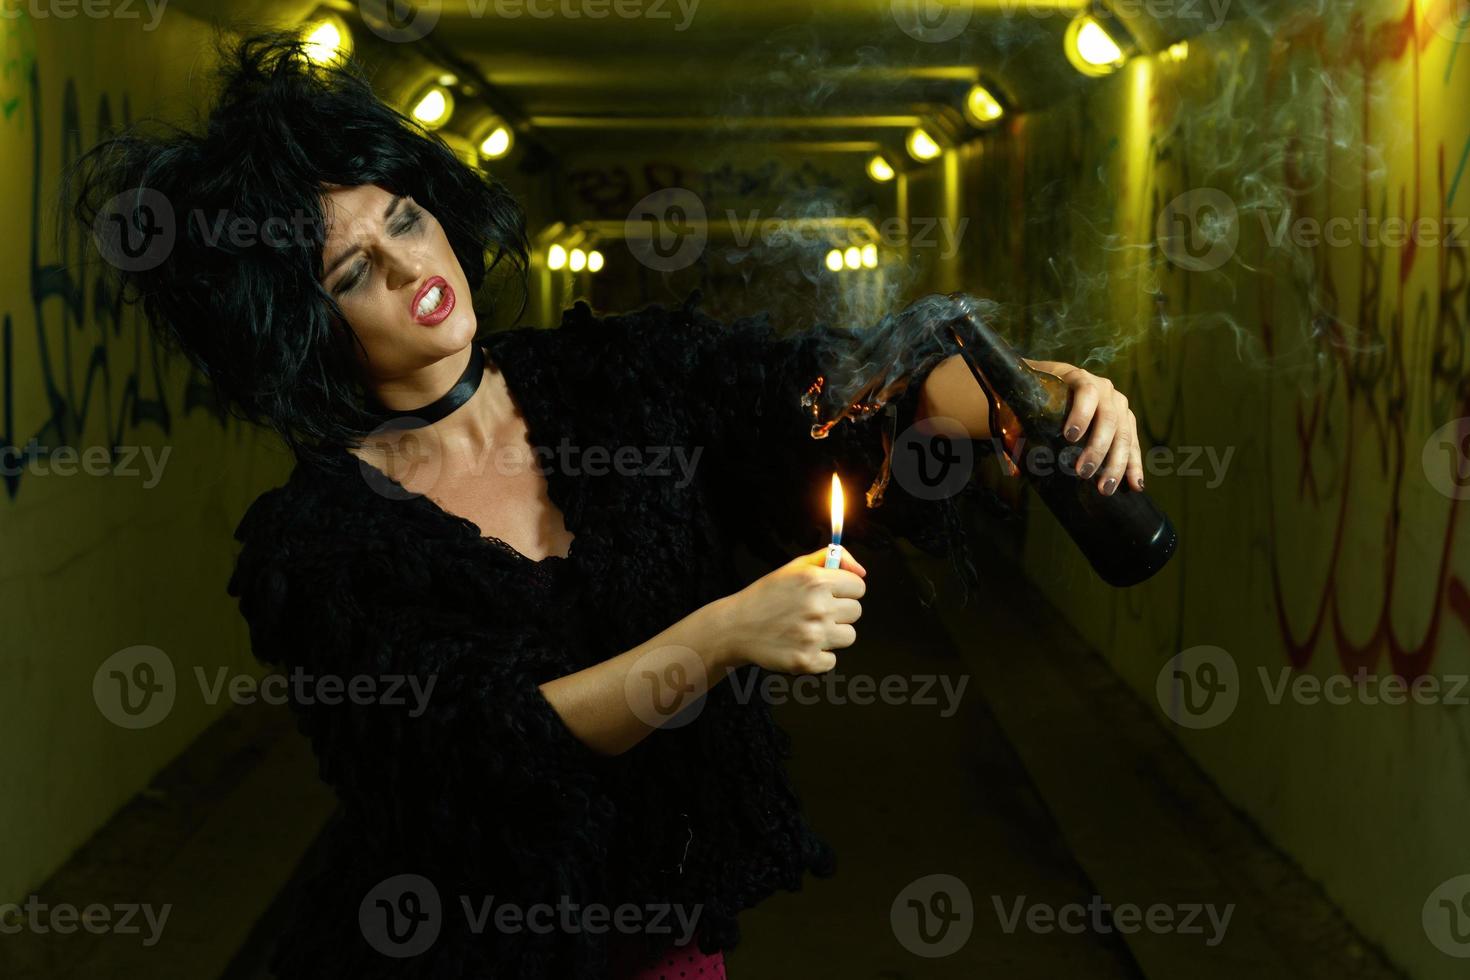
x,y
1295,385
129,542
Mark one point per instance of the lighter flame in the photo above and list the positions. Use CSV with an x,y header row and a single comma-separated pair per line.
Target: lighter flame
x,y
837,505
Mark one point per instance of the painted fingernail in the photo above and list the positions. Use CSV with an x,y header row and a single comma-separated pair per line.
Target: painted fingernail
x,y
1072,433
1086,470
1140,483
1109,484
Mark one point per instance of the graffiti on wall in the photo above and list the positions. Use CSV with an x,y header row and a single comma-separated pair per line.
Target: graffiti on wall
x,y
101,374
1356,353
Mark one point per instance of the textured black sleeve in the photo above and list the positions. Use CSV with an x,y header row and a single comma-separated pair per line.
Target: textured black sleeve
x,y
469,760
745,382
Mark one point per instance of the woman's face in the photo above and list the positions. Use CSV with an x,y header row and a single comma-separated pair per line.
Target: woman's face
x,y
389,266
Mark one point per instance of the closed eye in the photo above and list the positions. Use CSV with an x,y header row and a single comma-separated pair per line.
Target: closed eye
x,y
411,219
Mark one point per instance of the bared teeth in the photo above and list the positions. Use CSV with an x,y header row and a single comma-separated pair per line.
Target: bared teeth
x,y
431,301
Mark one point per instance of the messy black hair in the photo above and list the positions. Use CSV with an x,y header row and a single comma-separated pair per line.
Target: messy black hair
x,y
249,311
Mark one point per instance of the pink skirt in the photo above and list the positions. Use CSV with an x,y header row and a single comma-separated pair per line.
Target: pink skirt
x,y
677,963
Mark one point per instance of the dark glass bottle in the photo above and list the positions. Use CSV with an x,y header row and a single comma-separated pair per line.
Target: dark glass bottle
x,y
1125,535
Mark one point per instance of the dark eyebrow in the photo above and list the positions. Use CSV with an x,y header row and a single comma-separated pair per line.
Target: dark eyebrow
x,y
349,253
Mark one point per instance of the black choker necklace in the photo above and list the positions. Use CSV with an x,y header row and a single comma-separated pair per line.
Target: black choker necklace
x,y
439,408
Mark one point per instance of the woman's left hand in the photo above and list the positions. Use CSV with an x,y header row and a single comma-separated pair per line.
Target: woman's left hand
x,y
1101,413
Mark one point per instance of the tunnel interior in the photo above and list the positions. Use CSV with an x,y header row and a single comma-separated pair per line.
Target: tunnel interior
x,y
1244,213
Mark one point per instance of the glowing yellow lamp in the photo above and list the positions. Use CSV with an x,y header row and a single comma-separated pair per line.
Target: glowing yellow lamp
x,y
1091,49
326,40
921,145
498,143
434,107
982,108
880,169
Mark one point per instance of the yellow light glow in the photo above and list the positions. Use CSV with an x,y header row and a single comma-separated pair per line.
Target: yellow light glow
x,y
921,146
837,506
834,260
326,40
879,169
1091,49
982,108
434,107
853,257
870,256
577,261
1179,50
595,261
497,144
556,258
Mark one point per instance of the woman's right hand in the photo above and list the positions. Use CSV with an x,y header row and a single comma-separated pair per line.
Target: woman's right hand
x,y
790,619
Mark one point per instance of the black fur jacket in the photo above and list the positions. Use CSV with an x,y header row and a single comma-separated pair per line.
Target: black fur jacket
x,y
477,837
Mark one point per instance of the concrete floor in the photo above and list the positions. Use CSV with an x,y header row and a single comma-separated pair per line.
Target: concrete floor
x,y
1048,785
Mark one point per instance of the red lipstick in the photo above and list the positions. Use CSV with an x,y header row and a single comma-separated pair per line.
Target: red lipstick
x,y
438,313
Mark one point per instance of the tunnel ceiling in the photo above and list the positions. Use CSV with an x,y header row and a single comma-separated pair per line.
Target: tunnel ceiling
x,y
823,71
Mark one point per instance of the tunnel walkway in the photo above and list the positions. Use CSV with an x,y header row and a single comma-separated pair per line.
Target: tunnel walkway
x,y
1042,785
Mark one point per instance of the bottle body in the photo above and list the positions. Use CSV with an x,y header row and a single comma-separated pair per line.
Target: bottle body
x,y
1125,536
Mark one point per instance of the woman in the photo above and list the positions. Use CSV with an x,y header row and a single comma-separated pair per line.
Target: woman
x,y
529,530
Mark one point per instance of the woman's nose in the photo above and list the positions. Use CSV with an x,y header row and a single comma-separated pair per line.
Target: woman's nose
x,y
402,266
